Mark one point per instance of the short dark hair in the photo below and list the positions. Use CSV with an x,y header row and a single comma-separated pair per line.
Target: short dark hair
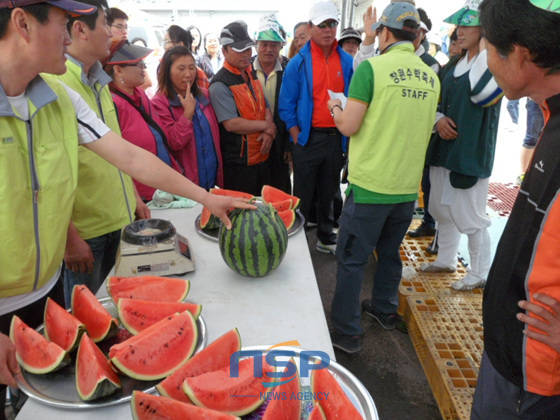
x,y
506,23
89,20
164,71
178,34
424,18
39,11
115,13
403,34
298,25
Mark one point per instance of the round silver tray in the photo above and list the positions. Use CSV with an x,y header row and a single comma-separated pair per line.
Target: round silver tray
x,y
354,389
58,388
212,234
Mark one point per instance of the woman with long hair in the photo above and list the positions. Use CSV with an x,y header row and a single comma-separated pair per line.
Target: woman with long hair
x,y
211,61
138,122
188,118
196,40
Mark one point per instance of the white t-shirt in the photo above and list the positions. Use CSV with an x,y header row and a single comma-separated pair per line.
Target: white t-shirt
x,y
90,128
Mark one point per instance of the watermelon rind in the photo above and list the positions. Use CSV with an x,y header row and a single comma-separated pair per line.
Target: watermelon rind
x,y
337,405
33,352
256,243
136,315
152,407
289,408
288,218
61,327
160,350
215,356
219,391
94,375
160,289
87,308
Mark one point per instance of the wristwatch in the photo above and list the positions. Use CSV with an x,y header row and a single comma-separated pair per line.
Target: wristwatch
x,y
332,109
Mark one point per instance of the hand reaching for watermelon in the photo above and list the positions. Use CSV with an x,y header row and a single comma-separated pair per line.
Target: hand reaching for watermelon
x,y
9,367
221,205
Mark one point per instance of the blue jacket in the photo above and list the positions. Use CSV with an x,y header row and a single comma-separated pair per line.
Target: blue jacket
x,y
296,95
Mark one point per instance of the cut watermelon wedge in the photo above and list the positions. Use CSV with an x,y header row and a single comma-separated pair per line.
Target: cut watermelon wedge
x,y
61,327
288,217
289,408
87,308
273,195
154,288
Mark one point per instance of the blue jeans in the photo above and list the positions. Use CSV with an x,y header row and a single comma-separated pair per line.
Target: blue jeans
x,y
104,249
535,124
363,228
513,109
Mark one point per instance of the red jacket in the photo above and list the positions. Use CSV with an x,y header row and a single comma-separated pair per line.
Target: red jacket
x,y
137,131
180,134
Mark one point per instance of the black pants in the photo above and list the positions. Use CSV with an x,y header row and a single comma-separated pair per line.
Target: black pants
x,y
317,167
32,315
249,179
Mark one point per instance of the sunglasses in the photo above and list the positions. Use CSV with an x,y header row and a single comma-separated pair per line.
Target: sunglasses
x,y
328,24
140,64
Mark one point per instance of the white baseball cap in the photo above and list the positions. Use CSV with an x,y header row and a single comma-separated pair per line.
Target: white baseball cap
x,y
322,11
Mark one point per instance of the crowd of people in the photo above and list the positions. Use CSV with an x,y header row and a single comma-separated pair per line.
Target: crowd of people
x,y
221,116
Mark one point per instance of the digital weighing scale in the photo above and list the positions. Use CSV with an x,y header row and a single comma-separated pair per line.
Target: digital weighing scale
x,y
152,247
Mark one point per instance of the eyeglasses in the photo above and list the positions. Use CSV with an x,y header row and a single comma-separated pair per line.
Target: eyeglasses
x,y
140,64
326,23
120,27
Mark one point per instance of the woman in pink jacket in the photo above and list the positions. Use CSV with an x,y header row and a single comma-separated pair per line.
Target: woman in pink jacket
x,y
188,118
138,122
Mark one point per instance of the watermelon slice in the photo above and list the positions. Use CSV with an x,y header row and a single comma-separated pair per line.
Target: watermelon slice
x,y
317,413
337,405
288,217
215,356
99,322
158,351
270,194
289,408
136,315
94,376
207,219
282,205
160,289
238,396
61,327
33,352
151,407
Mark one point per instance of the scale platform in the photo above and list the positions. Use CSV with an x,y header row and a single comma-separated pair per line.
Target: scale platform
x,y
153,247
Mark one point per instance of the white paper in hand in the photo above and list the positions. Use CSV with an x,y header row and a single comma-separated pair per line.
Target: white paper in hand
x,y
337,95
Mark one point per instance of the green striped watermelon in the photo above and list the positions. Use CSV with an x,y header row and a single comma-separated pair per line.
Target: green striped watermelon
x,y
256,243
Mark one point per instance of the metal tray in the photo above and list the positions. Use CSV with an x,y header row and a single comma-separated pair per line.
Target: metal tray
x,y
354,389
212,234
58,388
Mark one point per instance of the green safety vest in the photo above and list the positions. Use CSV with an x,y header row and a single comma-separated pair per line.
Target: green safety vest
x,y
386,155
39,166
105,199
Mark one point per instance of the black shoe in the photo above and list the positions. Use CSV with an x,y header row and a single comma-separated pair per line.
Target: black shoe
x,y
389,322
347,343
433,248
423,230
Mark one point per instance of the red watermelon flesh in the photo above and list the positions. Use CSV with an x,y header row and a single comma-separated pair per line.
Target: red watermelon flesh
x,y
337,405
289,408
136,315
215,356
207,219
317,413
273,195
282,205
219,391
94,376
160,289
151,407
288,217
61,327
87,308
33,352
159,353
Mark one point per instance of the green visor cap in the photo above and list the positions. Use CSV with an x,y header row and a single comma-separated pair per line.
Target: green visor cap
x,y
464,17
550,5
270,35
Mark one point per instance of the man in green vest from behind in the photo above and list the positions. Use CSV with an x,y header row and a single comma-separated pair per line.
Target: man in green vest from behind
x,y
105,199
389,115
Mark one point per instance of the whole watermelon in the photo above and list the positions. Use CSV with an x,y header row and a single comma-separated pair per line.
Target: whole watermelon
x,y
256,243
